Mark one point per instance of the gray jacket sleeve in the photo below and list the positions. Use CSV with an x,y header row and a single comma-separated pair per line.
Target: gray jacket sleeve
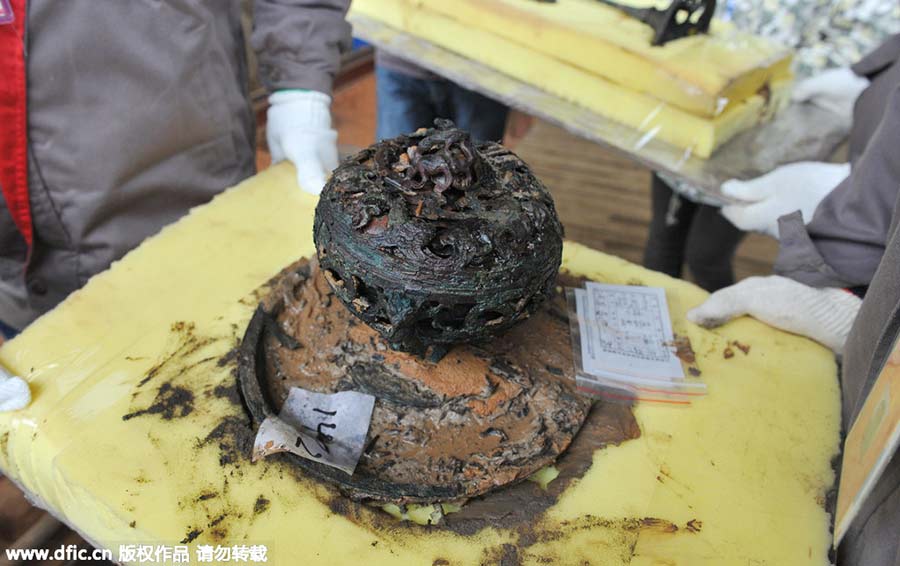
x,y
845,241
876,61
872,538
299,42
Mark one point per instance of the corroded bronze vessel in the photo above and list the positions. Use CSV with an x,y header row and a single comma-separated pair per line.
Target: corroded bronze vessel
x,y
428,244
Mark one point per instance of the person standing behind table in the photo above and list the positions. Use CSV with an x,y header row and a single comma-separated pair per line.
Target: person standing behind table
x,y
118,117
410,97
848,239
686,227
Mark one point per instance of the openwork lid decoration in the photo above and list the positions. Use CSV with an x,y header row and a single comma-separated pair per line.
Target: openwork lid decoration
x,y
433,239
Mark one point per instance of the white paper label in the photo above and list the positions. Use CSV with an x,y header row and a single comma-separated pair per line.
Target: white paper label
x,y
326,428
626,331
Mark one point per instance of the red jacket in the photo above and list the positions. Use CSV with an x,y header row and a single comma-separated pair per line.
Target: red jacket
x,y
13,117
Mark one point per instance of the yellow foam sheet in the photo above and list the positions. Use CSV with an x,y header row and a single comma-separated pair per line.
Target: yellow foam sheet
x,y
698,74
645,111
742,473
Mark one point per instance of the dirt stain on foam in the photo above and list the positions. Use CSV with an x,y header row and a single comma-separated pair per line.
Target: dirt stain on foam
x,y
228,391
234,437
694,525
191,535
214,514
217,520
504,555
195,377
171,402
745,348
619,538
261,505
175,395
188,344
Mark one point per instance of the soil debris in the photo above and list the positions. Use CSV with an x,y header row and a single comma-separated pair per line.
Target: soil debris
x,y
660,524
694,525
172,401
503,555
745,348
683,349
191,536
261,505
234,437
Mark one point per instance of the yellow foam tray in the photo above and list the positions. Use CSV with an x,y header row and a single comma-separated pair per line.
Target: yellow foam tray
x,y
128,438
695,93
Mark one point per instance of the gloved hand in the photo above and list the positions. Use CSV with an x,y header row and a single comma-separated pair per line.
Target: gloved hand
x,y
14,392
834,89
299,129
825,315
795,186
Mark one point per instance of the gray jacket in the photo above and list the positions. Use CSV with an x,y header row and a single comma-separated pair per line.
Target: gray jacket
x,y
854,240
138,111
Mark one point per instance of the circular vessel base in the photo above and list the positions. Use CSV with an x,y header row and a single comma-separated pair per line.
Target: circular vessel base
x,y
483,417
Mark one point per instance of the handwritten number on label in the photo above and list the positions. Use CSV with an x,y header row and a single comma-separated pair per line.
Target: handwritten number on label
x,y
322,438
303,444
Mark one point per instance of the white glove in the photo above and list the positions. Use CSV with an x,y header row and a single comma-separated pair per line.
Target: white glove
x,y
796,186
835,90
825,315
299,129
14,393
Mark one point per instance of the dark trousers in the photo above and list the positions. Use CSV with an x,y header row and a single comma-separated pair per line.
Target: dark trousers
x,y
684,232
7,331
407,103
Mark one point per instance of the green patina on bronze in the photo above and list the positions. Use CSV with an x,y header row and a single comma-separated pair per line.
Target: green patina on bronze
x,y
434,240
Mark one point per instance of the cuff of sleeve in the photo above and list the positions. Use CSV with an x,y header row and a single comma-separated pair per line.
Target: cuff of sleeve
x,y
798,257
834,316
296,76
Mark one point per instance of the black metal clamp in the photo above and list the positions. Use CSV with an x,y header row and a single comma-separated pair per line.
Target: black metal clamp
x,y
683,18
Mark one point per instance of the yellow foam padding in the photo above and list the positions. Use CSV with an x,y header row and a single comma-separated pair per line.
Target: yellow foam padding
x,y
742,473
644,111
695,74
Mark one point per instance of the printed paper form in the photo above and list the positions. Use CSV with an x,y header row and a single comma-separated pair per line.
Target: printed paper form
x,y
626,330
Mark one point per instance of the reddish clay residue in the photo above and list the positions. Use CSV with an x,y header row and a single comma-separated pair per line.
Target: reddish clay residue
x,y
482,417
